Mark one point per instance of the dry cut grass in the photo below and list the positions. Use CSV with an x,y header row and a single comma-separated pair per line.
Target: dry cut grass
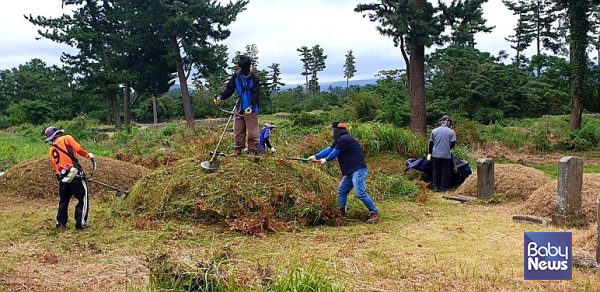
x,y
514,181
543,201
35,177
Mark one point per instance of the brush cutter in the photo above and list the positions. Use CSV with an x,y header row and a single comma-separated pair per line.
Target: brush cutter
x,y
213,163
120,191
301,159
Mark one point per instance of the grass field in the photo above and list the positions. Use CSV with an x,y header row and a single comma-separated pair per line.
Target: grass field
x,y
432,246
422,244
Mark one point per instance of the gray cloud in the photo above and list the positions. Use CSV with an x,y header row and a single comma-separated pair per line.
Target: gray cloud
x,y
278,28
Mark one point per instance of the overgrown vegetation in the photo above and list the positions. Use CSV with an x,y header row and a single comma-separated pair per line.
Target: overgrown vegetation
x,y
282,195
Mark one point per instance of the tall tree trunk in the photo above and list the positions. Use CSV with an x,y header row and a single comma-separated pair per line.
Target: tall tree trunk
x,y
127,104
418,116
112,97
108,110
580,25
115,107
306,75
406,61
538,36
347,83
185,95
154,110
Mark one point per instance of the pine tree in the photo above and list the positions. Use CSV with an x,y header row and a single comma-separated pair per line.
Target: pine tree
x,y
195,27
275,78
317,64
349,67
306,59
525,31
91,31
465,18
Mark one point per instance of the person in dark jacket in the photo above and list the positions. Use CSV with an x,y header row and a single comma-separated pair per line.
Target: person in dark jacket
x,y
264,143
247,85
353,166
441,142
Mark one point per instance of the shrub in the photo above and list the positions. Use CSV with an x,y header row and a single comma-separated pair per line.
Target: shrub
x,y
364,105
385,137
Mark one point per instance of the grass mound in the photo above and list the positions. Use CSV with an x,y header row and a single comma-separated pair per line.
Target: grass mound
x,y
543,201
251,198
34,178
514,181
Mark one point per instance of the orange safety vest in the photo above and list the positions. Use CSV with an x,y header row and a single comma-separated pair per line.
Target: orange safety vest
x,y
62,153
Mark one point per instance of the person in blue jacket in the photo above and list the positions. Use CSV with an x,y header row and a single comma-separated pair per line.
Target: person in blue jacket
x,y
247,85
353,166
264,143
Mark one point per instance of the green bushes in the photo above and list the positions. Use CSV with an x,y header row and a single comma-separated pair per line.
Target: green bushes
x,y
364,105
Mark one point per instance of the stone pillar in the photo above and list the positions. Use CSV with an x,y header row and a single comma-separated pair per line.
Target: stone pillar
x,y
570,180
485,178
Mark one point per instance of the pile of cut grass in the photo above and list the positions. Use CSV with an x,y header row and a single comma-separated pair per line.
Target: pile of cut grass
x,y
543,201
249,197
586,239
35,178
513,181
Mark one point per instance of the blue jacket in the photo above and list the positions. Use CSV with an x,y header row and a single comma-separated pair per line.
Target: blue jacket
x,y
263,138
247,88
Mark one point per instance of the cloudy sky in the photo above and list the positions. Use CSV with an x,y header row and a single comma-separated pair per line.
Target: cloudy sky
x,y
277,27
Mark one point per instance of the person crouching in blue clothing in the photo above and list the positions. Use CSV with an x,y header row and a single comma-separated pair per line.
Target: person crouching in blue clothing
x,y
353,166
264,143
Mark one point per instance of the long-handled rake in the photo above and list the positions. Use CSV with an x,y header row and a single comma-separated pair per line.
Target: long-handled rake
x,y
213,163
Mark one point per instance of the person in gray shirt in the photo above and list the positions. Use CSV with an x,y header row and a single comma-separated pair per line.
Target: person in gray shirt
x,y
441,141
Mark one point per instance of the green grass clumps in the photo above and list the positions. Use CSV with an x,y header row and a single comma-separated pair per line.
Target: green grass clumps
x,y
389,187
169,272
376,137
249,197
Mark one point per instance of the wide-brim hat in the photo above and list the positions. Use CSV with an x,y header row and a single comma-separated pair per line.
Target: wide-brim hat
x,y
51,133
269,125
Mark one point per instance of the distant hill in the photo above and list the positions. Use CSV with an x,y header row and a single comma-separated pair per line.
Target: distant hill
x,y
325,85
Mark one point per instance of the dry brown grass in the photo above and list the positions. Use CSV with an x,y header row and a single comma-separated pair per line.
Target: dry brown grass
x,y
514,181
543,201
434,246
587,238
35,178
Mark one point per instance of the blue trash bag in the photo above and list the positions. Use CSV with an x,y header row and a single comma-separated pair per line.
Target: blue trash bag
x,y
460,175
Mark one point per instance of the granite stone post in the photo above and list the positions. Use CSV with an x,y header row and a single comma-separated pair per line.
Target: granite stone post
x,y
485,178
570,181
